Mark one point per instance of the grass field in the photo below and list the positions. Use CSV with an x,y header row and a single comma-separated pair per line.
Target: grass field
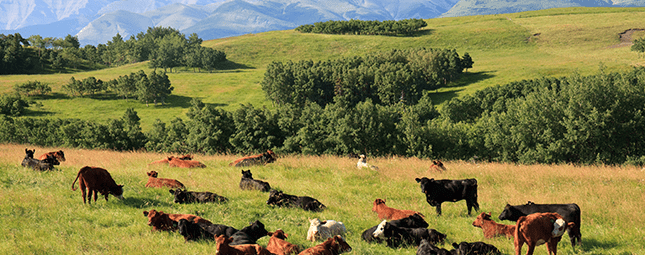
x,y
42,215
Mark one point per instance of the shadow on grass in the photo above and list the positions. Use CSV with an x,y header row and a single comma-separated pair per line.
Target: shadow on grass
x,y
231,66
174,101
591,244
466,79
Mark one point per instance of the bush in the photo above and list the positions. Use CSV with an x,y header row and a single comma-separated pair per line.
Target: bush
x,y
32,88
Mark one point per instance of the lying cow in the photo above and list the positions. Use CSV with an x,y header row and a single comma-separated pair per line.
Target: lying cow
x,y
476,248
401,236
278,245
385,212
40,165
184,196
154,182
97,180
413,221
321,230
59,155
160,221
217,229
166,160
176,162
248,183
225,247
281,199
491,228
192,231
437,165
570,213
539,228
439,191
427,248
249,234
333,245
260,159
362,163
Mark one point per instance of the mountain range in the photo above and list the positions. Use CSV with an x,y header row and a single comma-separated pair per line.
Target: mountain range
x,y
97,21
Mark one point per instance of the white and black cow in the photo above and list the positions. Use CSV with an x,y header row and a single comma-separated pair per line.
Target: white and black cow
x,y
401,236
249,234
412,221
184,197
248,183
569,212
281,199
439,191
465,248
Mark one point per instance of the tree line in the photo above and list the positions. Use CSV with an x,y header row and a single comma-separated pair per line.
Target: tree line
x,y
364,27
165,48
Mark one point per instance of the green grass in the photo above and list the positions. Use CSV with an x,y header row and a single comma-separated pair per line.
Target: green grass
x,y
41,214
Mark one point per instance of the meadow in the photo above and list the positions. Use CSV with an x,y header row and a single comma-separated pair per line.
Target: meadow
x,y
42,215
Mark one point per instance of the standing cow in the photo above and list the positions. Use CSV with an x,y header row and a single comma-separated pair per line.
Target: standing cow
x,y
570,213
540,228
439,191
97,180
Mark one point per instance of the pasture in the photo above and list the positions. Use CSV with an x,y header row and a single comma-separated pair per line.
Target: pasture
x,y
42,215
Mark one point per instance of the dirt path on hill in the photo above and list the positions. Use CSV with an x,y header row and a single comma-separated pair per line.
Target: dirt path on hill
x,y
626,38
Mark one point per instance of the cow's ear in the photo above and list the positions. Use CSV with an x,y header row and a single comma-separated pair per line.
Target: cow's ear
x,y
172,192
417,179
145,213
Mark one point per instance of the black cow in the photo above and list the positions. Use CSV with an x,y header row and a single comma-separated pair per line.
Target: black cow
x,y
439,191
183,196
475,248
249,234
569,212
281,199
217,229
192,231
427,248
41,165
412,221
248,183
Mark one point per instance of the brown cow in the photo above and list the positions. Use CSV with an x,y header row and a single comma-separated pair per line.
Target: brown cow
x,y
96,180
166,161
277,244
176,162
154,182
224,248
260,159
539,228
491,228
161,221
385,212
59,155
333,245
437,165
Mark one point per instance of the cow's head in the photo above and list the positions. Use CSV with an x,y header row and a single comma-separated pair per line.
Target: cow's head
x,y
314,226
377,202
60,155
159,220
436,236
510,213
275,197
29,153
380,230
153,174
247,174
51,160
341,245
479,221
255,229
186,157
222,246
559,226
117,191
279,233
181,196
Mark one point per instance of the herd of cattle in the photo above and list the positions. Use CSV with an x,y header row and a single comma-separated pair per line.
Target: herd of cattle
x,y
536,224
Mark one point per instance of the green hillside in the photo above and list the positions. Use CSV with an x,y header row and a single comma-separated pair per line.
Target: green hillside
x,y
505,48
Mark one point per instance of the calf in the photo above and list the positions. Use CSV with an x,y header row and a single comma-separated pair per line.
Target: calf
x,y
260,159
437,165
176,162
97,180
154,182
40,165
224,247
539,228
333,245
427,248
277,244
465,248
570,213
491,228
401,236
281,199
321,230
184,196
166,160
389,213
439,191
413,221
248,183
362,162
249,234
161,221
59,155
191,231
217,229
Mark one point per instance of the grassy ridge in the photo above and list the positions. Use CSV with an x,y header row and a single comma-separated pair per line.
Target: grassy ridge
x,y
41,214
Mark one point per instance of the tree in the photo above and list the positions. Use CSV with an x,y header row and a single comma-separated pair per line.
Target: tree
x,y
639,45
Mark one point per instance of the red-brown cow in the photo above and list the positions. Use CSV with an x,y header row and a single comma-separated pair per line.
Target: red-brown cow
x,y
333,245
260,159
166,161
385,212
176,162
277,244
154,182
437,165
224,248
59,155
161,221
491,228
97,180
539,228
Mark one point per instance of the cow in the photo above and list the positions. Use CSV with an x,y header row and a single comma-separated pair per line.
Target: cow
x,y
570,213
321,230
249,234
184,196
491,228
97,180
191,231
248,183
437,165
281,199
217,229
166,160
154,182
40,165
333,245
540,228
59,155
224,247
412,221
465,248
260,159
439,191
362,162
278,245
427,248
176,162
389,213
161,221
397,236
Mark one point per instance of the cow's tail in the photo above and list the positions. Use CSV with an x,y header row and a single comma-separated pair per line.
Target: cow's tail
x,y
77,175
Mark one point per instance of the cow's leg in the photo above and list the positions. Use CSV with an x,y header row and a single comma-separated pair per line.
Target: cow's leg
x,y
518,247
574,236
95,194
531,249
552,247
81,185
438,209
